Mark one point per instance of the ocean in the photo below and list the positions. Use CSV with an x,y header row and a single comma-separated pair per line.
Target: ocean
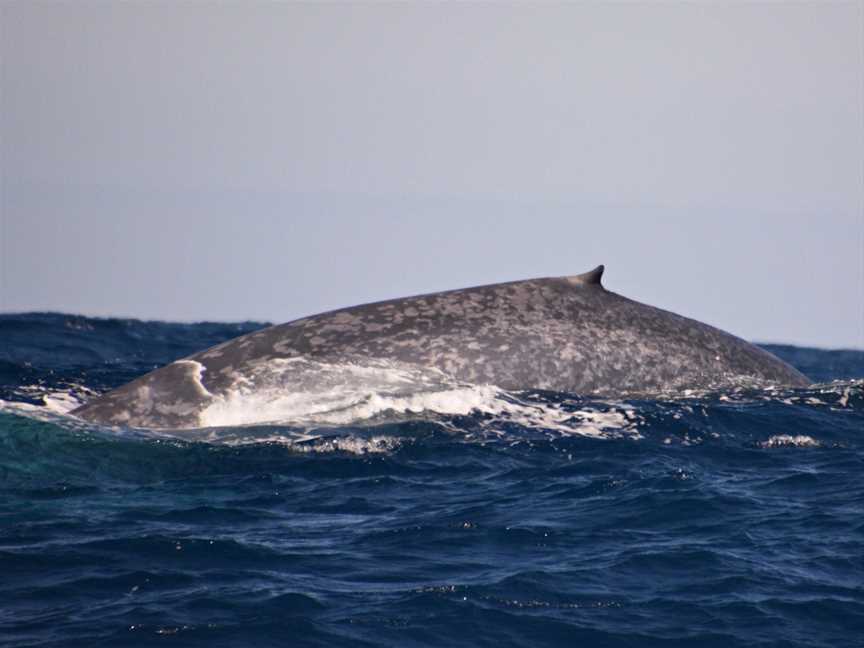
x,y
445,516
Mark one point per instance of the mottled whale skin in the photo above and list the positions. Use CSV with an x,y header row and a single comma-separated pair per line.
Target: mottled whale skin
x,y
565,334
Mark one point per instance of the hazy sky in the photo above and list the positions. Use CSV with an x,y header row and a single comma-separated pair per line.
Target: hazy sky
x,y
267,161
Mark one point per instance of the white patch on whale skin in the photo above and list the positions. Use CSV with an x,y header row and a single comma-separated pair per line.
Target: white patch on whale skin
x,y
121,417
218,350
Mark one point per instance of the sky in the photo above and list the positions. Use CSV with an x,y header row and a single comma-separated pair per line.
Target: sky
x,y
222,161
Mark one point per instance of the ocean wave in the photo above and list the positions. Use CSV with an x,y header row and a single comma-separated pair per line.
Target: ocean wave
x,y
44,442
384,505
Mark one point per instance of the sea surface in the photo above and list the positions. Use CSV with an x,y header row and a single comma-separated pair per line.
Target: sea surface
x,y
445,516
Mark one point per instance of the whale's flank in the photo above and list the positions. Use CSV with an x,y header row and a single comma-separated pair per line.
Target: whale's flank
x,y
566,334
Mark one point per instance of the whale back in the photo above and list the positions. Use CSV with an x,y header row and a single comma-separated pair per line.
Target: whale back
x,y
565,334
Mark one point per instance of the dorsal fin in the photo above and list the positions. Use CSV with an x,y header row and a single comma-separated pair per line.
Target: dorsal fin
x,y
590,278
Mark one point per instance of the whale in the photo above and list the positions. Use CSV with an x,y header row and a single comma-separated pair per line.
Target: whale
x,y
565,334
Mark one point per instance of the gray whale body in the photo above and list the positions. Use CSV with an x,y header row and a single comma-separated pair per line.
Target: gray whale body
x,y
565,334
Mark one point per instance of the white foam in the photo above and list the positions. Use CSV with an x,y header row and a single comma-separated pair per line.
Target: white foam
x,y
308,393
300,390
61,402
349,444
788,440
54,402
58,402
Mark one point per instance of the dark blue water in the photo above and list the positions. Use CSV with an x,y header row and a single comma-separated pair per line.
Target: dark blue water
x,y
714,520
